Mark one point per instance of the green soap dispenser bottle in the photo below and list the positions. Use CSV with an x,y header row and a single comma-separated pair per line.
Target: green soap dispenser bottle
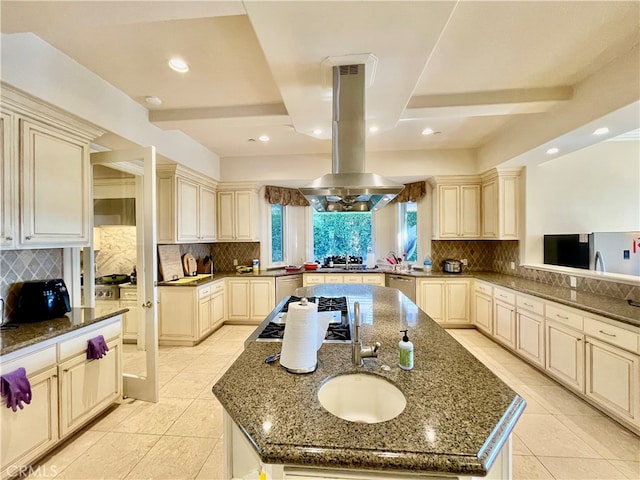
x,y
405,352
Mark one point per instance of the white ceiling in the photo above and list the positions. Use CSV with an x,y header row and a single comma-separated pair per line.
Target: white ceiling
x,y
465,69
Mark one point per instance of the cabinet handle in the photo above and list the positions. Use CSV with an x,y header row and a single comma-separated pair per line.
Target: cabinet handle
x,y
528,305
8,238
562,316
502,296
147,304
579,339
55,375
65,370
28,237
607,334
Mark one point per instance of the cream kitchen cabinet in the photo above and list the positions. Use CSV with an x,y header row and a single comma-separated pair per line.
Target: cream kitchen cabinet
x,y
250,300
483,307
565,354
319,278
504,317
237,212
186,206
312,279
27,434
130,320
456,207
530,329
500,204
48,152
445,300
188,314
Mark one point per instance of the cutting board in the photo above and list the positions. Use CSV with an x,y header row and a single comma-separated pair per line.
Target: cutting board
x,y
190,265
170,262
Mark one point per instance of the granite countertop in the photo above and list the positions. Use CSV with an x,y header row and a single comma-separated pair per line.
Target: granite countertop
x,y
27,334
458,414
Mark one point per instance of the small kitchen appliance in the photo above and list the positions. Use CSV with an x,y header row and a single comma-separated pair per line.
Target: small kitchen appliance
x,y
452,266
42,300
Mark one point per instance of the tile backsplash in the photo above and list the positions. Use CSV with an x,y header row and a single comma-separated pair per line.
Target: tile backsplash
x,y
496,256
17,266
224,253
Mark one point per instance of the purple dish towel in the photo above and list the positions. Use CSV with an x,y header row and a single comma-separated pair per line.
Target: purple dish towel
x,y
96,348
16,387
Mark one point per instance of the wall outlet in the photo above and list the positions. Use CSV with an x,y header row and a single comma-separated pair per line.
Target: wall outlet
x,y
513,265
572,282
465,261
235,262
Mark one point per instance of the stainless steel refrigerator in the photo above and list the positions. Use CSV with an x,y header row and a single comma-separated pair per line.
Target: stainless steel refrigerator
x,y
615,252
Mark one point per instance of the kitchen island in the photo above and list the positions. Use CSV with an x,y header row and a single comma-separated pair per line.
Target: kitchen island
x,y
457,421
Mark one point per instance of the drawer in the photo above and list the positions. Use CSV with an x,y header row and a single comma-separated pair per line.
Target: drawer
x,y
611,334
78,343
32,362
352,279
217,287
531,304
333,279
128,295
503,295
483,288
204,292
314,278
564,316
373,279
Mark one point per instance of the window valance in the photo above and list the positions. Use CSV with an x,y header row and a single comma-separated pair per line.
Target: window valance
x,y
285,196
412,192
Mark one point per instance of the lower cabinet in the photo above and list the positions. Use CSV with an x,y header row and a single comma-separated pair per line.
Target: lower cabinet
x,y
250,300
188,314
88,386
131,319
530,337
483,313
504,324
612,378
565,354
67,392
445,301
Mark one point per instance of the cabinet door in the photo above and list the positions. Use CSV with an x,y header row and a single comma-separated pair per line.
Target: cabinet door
x,y
226,216
204,315
28,433
187,211
373,279
448,211
350,278
177,314
565,354
484,313
105,307
87,386
490,209
8,184
612,379
469,211
217,310
238,300
262,298
312,279
207,214
457,295
131,319
504,324
530,337
509,207
55,198
244,215
432,298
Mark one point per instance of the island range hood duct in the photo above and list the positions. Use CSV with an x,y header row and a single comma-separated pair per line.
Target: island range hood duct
x,y
348,188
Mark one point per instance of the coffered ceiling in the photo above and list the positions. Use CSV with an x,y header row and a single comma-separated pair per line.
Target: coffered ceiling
x,y
465,69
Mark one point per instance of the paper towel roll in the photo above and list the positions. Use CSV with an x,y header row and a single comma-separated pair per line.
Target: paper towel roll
x,y
299,344
371,260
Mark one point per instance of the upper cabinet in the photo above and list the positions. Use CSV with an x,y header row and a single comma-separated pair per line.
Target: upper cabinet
x,y
46,183
456,207
237,212
186,206
500,204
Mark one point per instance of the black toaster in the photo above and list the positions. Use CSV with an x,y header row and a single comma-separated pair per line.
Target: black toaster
x,y
42,300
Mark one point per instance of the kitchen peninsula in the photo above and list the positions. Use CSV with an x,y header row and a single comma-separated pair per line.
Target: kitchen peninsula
x,y
457,421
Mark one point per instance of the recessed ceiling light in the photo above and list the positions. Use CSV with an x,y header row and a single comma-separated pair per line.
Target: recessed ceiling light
x,y
373,129
263,138
552,151
601,131
428,131
178,65
156,101
317,131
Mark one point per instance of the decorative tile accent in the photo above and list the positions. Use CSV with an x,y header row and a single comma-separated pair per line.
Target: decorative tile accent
x,y
224,253
118,250
18,266
479,253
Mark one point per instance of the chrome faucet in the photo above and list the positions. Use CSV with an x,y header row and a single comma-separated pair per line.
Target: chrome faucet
x,y
358,352
347,261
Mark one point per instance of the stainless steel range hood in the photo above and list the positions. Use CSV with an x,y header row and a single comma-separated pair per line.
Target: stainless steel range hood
x,y
349,187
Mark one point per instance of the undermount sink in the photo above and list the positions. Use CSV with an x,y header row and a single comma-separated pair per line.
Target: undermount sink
x,y
361,398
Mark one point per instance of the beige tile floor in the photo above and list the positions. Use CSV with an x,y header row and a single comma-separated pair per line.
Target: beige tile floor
x,y
558,437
